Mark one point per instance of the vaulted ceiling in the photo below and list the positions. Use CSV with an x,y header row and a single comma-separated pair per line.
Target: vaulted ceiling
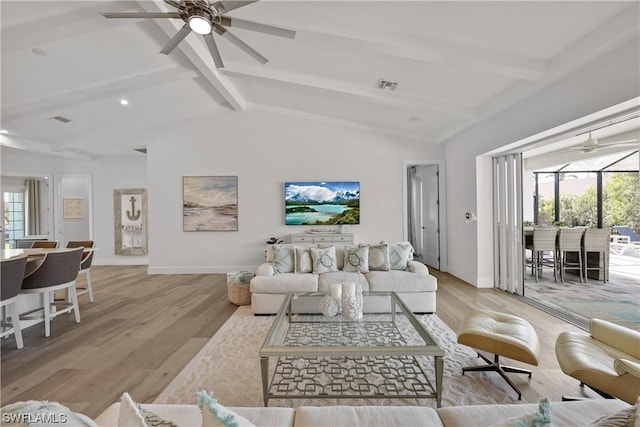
x,y
456,63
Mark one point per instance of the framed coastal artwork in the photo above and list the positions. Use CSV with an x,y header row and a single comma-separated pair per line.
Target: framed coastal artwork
x,y
210,203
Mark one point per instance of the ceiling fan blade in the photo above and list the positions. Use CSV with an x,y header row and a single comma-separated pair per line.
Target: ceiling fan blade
x,y
240,44
256,26
226,6
141,14
215,54
180,35
623,142
173,3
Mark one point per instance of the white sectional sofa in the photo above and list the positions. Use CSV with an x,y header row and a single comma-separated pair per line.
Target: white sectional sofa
x,y
291,268
563,414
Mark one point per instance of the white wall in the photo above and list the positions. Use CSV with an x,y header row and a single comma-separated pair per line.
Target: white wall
x,y
264,150
611,80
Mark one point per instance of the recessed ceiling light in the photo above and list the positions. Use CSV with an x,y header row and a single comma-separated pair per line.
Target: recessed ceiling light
x,y
4,131
124,102
39,51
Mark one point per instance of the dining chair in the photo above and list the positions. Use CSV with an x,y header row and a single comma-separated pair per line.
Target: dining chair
x,y
597,240
85,264
544,241
11,274
58,271
45,244
570,241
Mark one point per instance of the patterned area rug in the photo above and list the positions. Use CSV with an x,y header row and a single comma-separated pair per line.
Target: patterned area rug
x,y
228,365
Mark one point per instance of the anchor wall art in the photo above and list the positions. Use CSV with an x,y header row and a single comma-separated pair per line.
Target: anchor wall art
x,y
130,216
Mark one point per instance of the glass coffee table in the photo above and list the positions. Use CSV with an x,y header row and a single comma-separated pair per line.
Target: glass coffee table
x,y
383,355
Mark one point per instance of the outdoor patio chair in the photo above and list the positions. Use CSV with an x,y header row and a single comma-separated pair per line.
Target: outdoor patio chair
x,y
570,241
544,241
596,240
627,231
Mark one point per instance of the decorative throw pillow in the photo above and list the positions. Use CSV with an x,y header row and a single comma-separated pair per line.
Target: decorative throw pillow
x,y
283,259
625,418
379,257
303,260
216,415
324,260
399,255
357,259
132,415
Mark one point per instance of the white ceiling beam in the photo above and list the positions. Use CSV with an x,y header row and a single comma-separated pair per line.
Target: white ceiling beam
x,y
378,96
103,90
52,29
385,130
489,61
196,51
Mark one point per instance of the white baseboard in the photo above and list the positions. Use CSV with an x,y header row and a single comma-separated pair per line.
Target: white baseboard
x,y
199,269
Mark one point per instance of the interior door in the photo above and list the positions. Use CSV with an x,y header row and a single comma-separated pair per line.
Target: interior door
x,y
430,217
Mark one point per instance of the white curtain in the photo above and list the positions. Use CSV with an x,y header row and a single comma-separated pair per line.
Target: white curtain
x,y
32,213
507,211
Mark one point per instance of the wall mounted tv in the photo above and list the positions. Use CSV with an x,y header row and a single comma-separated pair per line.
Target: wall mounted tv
x,y
322,203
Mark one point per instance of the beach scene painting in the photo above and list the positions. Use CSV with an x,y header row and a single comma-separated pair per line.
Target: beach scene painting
x,y
322,203
210,203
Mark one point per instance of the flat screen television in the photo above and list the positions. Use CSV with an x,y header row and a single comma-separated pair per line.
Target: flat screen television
x,y
322,203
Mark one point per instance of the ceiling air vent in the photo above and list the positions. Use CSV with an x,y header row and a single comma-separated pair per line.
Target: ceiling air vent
x,y
385,84
61,119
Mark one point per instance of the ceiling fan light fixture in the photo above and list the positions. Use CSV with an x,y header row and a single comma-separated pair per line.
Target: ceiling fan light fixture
x,y
200,24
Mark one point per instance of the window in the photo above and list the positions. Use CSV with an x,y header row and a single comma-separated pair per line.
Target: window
x,y
13,217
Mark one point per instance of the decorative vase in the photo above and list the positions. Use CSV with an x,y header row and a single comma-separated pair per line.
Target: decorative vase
x,y
329,306
351,301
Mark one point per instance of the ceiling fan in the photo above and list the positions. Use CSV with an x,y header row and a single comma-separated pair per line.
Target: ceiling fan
x,y
204,17
592,144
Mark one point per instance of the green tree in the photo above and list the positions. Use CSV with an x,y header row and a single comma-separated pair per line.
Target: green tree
x,y
621,200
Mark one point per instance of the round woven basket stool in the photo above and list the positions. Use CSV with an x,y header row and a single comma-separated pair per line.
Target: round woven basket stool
x,y
238,287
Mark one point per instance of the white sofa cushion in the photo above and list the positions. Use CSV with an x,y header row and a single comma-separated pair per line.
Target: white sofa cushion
x,y
283,283
401,281
369,416
327,279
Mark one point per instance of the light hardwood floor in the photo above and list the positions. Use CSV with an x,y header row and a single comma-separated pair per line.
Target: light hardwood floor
x,y
143,329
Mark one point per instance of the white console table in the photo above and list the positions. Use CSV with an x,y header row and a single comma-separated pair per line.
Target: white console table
x,y
345,238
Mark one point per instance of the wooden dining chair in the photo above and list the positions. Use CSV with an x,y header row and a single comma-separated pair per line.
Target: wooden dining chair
x,y
85,265
11,274
58,271
44,244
